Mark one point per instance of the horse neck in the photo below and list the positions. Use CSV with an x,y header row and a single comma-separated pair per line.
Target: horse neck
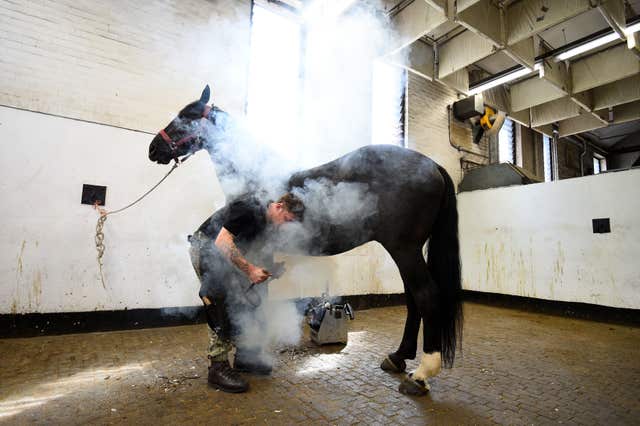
x,y
240,162
220,142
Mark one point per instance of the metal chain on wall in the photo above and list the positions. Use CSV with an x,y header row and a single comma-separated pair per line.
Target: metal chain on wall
x,y
99,238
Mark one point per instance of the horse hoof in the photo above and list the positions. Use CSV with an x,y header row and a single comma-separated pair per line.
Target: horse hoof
x,y
410,386
394,367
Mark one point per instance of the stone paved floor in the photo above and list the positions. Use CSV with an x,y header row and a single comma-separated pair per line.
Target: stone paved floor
x,y
517,368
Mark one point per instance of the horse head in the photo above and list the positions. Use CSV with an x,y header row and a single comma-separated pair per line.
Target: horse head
x,y
185,134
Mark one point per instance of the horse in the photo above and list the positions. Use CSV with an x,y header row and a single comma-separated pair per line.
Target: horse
x,y
385,193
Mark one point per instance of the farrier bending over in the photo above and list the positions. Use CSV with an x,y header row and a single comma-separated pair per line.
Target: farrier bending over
x,y
224,273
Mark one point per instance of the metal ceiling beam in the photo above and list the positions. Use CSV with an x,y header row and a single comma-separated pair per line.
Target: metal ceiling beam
x,y
532,92
613,13
523,117
553,111
626,112
497,97
417,57
584,99
483,19
461,51
617,93
556,74
582,123
528,17
604,67
546,130
414,21
458,81
439,5
523,52
464,4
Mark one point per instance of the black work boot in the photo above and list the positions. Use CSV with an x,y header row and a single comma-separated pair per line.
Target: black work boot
x,y
223,377
251,362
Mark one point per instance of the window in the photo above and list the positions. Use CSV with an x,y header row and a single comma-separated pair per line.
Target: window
x,y
388,111
274,98
599,164
546,152
506,142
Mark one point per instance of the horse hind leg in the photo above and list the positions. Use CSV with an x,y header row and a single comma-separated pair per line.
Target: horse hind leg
x,y
395,361
423,292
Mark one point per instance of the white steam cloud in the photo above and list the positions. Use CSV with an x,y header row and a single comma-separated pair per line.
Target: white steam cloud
x,y
333,117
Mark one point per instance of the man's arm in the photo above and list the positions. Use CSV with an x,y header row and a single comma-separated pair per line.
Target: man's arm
x,y
224,242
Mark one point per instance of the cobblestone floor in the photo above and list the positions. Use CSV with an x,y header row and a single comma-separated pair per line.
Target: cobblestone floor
x,y
516,368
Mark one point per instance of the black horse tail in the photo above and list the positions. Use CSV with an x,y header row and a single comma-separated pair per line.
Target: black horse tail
x,y
443,262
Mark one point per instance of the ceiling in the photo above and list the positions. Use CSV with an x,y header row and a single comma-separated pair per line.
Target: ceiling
x,y
461,43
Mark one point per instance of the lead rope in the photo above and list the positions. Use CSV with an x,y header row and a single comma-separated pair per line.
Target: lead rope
x,y
103,217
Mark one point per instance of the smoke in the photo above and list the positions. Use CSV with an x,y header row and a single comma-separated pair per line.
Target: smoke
x,y
339,68
274,323
332,117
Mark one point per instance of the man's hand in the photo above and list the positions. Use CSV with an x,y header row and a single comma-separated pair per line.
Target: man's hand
x,y
257,274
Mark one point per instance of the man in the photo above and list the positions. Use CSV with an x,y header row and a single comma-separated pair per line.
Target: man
x,y
217,254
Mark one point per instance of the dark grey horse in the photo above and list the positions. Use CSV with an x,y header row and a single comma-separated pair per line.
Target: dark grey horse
x,y
392,195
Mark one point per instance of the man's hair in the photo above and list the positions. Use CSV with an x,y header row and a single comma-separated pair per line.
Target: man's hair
x,y
293,204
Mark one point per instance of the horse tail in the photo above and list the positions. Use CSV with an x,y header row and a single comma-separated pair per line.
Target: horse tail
x,y
443,262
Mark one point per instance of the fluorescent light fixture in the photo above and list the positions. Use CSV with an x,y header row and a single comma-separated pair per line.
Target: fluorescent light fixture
x,y
500,79
634,28
590,45
539,66
629,32
631,40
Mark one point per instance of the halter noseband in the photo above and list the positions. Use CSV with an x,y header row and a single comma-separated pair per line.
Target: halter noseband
x,y
175,144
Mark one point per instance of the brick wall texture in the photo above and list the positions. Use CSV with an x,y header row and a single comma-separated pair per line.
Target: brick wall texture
x,y
428,128
123,63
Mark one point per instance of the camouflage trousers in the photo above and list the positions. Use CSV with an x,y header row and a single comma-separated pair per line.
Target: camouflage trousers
x,y
218,349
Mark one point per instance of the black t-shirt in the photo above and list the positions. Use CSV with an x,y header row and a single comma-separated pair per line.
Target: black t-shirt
x,y
245,217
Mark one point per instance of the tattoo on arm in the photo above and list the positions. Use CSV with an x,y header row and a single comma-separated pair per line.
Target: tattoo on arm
x,y
225,244
238,259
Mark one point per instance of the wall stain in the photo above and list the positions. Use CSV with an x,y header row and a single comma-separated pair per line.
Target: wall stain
x,y
19,268
37,289
558,269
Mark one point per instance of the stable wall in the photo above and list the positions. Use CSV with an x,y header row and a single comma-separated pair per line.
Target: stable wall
x,y
537,240
74,77
123,63
68,69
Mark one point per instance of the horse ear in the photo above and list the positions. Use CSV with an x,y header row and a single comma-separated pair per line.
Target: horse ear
x,y
206,93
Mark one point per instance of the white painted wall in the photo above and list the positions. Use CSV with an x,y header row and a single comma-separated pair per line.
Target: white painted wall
x,y
131,66
47,254
47,250
537,240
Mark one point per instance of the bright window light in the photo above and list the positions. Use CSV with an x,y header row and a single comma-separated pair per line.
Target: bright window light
x,y
546,153
274,96
600,41
599,164
386,104
506,142
501,80
326,9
